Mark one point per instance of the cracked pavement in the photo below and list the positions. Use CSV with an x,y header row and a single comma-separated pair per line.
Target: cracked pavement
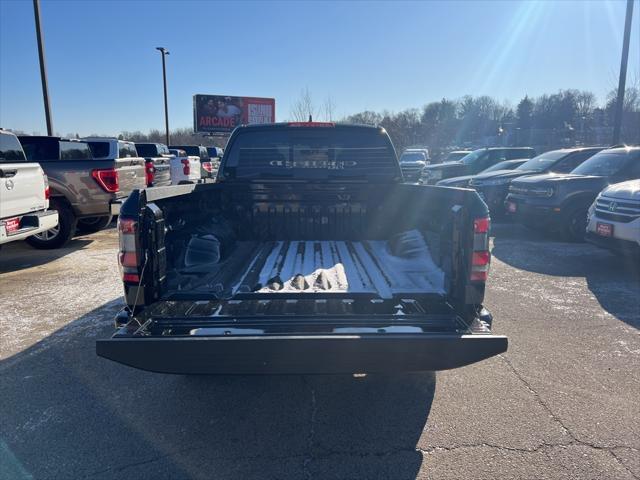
x,y
561,403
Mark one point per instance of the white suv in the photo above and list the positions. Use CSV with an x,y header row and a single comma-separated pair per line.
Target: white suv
x,y
614,218
24,193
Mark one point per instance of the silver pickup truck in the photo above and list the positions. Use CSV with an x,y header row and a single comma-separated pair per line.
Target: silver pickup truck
x,y
86,191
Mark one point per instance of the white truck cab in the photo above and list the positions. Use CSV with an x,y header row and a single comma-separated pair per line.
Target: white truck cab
x,y
184,168
614,218
24,193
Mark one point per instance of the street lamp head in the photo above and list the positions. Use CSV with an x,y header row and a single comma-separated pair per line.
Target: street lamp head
x,y
163,50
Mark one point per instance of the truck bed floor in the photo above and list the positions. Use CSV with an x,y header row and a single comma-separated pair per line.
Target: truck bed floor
x,y
371,266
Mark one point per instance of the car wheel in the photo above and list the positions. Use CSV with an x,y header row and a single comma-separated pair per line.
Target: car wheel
x,y
94,224
575,225
59,235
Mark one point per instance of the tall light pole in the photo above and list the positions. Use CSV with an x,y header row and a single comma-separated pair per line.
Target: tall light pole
x,y
617,121
43,68
164,52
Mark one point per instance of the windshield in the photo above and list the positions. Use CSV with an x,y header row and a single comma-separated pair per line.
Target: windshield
x,y
542,162
506,165
412,157
455,156
473,156
311,153
606,164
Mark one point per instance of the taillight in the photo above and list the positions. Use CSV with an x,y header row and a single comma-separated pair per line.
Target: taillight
x,y
47,190
129,254
149,171
186,169
107,178
481,257
207,166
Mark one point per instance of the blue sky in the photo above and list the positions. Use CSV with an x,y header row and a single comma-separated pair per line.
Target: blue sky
x,y
105,74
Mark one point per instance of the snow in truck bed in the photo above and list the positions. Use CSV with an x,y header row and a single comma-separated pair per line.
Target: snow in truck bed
x,y
385,268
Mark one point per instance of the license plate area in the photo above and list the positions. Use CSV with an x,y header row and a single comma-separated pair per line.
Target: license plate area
x,y
604,229
512,207
12,225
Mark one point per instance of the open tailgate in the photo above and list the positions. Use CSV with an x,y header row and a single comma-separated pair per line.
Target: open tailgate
x,y
281,345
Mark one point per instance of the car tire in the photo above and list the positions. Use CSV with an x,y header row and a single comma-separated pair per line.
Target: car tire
x,y
59,236
574,226
94,224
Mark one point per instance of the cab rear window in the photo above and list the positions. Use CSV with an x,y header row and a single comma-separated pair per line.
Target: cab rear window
x,y
10,149
127,150
40,149
99,149
311,153
74,151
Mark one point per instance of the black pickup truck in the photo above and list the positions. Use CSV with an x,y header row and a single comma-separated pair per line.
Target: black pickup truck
x,y
310,255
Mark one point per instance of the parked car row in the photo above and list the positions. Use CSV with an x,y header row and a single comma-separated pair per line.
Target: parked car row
x,y
590,193
474,163
52,187
561,202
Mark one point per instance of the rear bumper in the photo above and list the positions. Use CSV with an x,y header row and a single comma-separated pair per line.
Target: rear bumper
x,y
303,354
116,205
30,224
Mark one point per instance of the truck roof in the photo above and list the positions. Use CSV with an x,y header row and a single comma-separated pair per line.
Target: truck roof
x,y
285,125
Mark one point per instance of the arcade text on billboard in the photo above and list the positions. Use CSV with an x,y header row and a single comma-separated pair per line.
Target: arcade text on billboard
x,y
222,113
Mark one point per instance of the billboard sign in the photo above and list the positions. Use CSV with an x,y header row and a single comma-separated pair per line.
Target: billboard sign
x,y
223,113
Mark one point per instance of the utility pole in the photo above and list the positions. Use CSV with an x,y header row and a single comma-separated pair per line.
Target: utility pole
x,y
43,68
164,52
617,125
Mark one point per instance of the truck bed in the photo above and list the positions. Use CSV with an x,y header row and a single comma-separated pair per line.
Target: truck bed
x,y
383,268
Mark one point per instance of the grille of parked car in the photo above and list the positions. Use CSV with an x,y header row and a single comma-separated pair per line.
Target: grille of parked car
x,y
624,211
532,191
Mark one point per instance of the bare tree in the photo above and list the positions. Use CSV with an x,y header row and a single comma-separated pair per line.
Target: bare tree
x,y
303,107
328,107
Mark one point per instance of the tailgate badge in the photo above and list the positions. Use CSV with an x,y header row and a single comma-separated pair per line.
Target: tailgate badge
x,y
9,184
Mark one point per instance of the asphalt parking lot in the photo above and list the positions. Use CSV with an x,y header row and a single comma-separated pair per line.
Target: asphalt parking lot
x,y
561,403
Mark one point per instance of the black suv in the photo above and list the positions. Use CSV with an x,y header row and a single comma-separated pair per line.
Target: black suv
x,y
559,202
475,162
493,187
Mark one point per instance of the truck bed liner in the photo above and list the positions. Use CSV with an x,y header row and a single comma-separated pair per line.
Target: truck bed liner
x,y
402,265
